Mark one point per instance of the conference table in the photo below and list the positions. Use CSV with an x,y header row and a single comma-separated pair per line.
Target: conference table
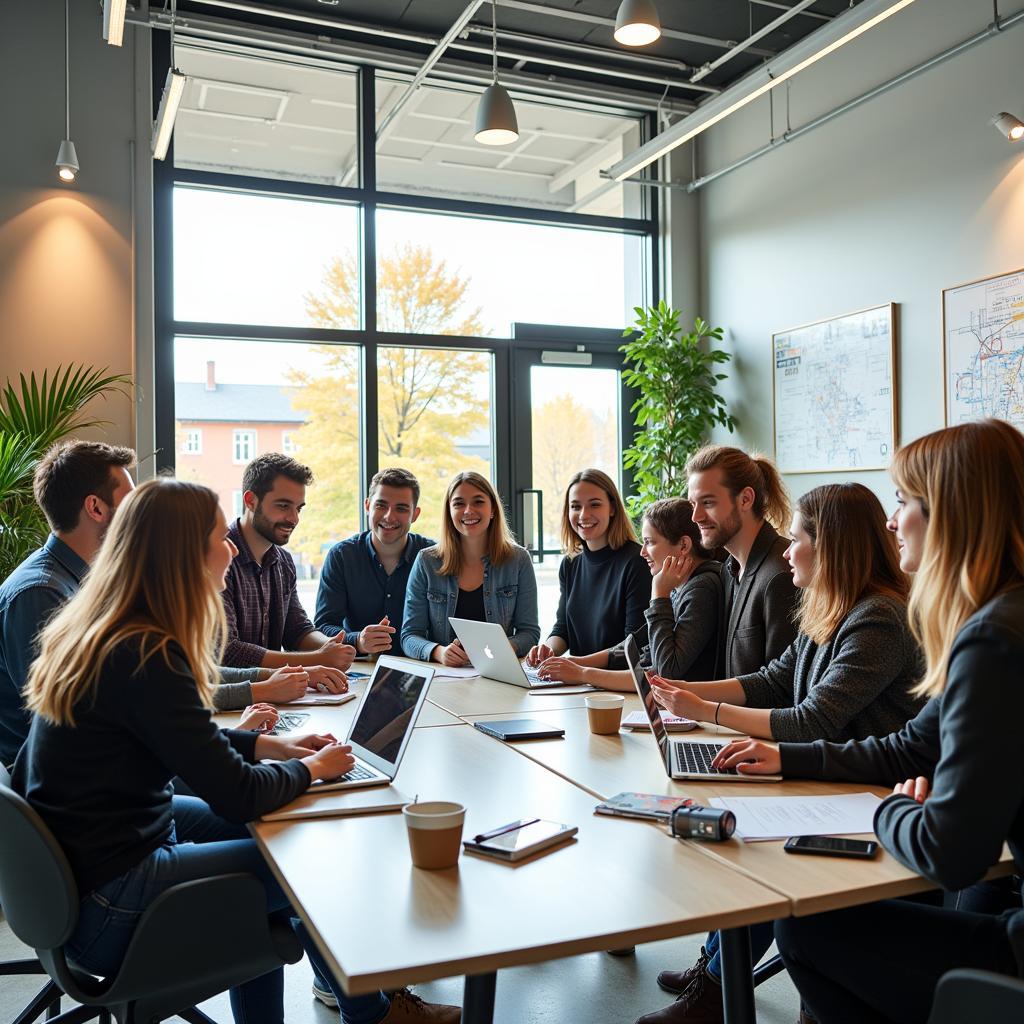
x,y
382,923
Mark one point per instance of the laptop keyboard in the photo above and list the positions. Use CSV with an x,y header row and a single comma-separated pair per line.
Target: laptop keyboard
x,y
289,720
696,758
357,773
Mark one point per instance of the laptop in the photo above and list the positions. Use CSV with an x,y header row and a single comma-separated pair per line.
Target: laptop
x,y
383,724
493,655
682,759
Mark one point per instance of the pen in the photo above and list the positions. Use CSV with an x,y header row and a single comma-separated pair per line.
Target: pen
x,y
501,830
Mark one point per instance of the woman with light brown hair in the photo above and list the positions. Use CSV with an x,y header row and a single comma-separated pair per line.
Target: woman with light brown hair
x,y
849,673
475,571
121,695
956,768
605,583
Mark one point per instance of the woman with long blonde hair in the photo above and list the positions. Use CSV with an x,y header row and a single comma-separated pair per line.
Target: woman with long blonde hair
x,y
604,582
956,768
121,695
475,571
849,673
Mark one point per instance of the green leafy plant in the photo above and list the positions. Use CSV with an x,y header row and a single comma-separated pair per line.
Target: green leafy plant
x,y
678,403
33,416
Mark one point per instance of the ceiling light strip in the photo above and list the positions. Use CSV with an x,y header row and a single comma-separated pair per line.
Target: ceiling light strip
x,y
797,58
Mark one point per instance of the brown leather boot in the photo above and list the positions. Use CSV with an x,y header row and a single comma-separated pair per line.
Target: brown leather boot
x,y
407,1008
701,1003
677,982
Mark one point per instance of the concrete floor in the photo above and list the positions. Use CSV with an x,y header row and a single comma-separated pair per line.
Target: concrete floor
x,y
592,989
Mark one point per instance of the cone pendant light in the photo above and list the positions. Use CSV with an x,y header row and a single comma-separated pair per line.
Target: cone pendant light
x,y
496,123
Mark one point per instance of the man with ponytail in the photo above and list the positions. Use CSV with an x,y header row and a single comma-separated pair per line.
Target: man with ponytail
x,y
740,503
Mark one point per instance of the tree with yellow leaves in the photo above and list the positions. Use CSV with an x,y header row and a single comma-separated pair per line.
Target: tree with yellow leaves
x,y
429,400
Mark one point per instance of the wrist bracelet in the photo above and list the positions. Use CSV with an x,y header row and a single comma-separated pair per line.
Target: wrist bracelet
x,y
717,709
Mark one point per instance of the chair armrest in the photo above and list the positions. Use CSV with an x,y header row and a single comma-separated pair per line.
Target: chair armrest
x,y
203,936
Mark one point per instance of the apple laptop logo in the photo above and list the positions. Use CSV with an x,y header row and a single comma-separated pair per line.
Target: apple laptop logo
x,y
487,651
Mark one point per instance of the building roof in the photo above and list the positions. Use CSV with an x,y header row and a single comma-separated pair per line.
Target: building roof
x,y
235,403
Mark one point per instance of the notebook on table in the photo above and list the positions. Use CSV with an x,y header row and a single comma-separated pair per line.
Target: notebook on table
x,y
681,759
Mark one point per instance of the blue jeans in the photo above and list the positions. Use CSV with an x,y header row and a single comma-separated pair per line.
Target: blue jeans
x,y
761,937
200,846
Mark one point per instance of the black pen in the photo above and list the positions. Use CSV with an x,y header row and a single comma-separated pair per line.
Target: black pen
x,y
501,830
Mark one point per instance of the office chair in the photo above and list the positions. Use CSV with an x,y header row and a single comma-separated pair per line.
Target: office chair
x,y
964,995
195,940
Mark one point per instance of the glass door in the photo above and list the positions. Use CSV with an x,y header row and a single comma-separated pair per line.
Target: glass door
x,y
570,412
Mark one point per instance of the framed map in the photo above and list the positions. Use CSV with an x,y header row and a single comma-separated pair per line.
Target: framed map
x,y
983,349
834,394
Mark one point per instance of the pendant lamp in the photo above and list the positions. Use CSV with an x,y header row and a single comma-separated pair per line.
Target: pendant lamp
x,y
496,123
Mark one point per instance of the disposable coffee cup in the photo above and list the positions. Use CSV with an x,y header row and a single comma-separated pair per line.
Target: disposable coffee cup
x,y
435,833
604,710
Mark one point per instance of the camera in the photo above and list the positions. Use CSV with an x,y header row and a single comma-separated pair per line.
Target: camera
x,y
693,821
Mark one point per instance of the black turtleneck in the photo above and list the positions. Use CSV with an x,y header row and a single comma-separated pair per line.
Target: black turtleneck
x,y
604,595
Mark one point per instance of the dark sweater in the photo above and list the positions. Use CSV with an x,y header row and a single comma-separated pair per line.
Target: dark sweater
x,y
683,630
856,685
103,786
604,594
966,741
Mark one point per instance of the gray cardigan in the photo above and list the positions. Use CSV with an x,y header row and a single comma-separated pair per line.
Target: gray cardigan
x,y
681,637
854,686
235,689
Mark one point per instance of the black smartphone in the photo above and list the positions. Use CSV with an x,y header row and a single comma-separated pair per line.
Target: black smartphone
x,y
831,846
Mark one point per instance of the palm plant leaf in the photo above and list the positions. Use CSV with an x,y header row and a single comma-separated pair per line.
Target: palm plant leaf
x,y
48,410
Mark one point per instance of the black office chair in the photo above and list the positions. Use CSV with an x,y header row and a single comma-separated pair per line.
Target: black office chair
x,y
195,940
965,995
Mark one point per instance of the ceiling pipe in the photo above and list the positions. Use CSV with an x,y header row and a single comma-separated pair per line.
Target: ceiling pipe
x,y
698,183
825,40
595,19
748,42
428,65
785,7
280,43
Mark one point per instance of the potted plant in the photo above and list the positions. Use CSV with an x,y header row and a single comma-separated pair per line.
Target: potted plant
x,y
33,417
678,404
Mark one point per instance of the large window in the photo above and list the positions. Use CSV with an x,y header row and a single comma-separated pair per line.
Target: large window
x,y
363,316
463,275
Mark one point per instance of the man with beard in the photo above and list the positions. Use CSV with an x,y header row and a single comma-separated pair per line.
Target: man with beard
x,y
739,502
267,625
78,484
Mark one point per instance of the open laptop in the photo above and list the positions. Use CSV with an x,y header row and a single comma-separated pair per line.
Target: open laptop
x,y
682,759
383,724
492,655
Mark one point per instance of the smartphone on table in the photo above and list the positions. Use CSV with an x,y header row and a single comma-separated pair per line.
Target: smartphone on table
x,y
832,846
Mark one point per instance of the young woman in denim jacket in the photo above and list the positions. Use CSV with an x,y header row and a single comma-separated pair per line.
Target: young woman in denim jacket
x,y
475,571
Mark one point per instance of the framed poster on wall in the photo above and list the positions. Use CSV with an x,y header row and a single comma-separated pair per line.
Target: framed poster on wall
x,y
834,393
983,349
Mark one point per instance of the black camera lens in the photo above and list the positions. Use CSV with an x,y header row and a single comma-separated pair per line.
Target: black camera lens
x,y
708,823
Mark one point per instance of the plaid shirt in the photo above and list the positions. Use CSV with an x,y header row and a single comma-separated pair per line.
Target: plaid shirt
x,y
262,604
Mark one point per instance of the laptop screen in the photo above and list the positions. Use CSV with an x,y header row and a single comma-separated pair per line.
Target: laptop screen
x,y
388,711
646,694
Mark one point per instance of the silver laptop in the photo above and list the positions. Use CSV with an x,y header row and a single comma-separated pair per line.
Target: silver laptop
x,y
493,655
383,724
682,759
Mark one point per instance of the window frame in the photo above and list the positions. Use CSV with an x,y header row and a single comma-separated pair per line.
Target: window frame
x,y
369,338
237,435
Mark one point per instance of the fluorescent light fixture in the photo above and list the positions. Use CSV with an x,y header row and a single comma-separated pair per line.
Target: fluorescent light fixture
x,y
168,111
637,23
67,161
1008,125
113,21
840,31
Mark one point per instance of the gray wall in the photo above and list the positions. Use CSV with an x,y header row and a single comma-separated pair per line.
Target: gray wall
x,y
909,193
66,259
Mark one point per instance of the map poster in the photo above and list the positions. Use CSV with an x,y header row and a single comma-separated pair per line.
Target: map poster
x,y
983,349
835,393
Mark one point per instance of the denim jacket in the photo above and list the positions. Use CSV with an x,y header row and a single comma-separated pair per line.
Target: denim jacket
x,y
510,597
